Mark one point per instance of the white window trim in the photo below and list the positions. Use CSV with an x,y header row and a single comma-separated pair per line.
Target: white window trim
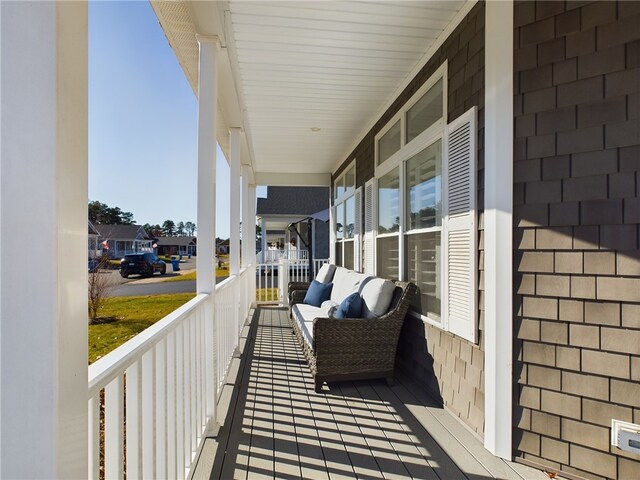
x,y
438,126
341,178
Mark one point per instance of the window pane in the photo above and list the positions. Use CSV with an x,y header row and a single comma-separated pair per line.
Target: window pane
x,y
389,202
338,248
387,257
423,257
424,188
350,221
389,143
348,254
339,220
427,111
350,181
339,188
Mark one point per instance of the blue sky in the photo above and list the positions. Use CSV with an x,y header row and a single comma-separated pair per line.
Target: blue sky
x,y
143,120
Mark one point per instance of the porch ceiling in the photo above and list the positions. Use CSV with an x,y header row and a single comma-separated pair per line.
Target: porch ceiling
x,y
294,66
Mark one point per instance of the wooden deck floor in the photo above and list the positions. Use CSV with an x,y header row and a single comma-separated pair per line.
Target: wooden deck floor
x,y
276,426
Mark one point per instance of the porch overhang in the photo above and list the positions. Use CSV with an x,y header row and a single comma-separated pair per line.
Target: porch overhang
x,y
306,81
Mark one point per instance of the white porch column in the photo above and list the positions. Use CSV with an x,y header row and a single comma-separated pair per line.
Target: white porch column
x,y
498,200
248,255
43,238
234,203
205,261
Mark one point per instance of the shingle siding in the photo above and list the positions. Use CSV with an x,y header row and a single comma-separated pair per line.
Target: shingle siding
x,y
452,368
576,233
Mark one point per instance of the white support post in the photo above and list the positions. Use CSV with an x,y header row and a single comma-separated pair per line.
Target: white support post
x,y
498,200
205,261
248,246
263,226
252,221
43,233
234,203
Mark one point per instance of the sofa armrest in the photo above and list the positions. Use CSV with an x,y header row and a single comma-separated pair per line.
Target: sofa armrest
x,y
297,286
296,296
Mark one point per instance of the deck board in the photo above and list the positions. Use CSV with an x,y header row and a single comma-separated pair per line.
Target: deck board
x,y
278,427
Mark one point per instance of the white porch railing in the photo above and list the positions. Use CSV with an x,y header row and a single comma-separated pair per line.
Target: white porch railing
x,y
274,256
273,278
161,377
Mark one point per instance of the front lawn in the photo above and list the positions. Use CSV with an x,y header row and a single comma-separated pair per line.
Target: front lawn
x,y
132,315
220,272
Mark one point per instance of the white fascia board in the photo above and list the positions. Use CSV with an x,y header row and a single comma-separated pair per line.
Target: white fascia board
x,y
293,179
466,8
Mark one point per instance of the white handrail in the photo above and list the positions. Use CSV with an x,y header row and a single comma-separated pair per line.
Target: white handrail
x,y
161,377
105,369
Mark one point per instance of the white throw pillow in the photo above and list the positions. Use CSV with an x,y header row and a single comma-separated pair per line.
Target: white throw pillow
x,y
376,294
328,308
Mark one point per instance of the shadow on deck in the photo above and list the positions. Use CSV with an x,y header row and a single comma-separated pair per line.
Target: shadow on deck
x,y
276,426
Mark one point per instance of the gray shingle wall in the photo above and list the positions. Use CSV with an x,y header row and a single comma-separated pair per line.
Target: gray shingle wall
x,y
576,233
452,368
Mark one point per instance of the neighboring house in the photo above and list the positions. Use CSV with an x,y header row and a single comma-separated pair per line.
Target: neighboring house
x,y
222,248
92,243
119,240
176,245
294,205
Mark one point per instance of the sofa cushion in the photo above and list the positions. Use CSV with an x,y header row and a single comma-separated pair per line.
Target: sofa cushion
x,y
346,282
351,307
377,294
304,316
325,274
317,293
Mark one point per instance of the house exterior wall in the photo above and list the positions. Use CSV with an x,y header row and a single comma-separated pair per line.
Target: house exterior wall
x,y
451,367
576,233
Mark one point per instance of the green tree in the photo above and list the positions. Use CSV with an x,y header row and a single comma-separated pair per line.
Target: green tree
x,y
102,214
190,228
180,229
169,228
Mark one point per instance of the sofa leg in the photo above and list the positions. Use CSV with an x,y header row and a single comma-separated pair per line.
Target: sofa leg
x,y
318,386
390,381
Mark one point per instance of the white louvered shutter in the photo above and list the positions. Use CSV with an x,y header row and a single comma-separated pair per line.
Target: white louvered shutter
x,y
369,236
460,229
357,237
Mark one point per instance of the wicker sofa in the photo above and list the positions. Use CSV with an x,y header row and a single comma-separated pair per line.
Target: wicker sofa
x,y
351,348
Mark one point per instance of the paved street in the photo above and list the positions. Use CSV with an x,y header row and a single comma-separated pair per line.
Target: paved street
x,y
130,289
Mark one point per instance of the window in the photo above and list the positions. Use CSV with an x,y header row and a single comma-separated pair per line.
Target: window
x,y
424,188
425,112
423,244
345,217
389,143
425,197
387,245
422,116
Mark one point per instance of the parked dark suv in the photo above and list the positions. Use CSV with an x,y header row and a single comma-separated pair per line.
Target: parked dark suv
x,y
145,264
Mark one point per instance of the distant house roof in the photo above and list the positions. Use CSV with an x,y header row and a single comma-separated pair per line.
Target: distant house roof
x,y
122,232
301,201
176,241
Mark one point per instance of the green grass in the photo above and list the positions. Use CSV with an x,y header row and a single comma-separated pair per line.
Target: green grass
x,y
220,272
133,315
182,278
267,294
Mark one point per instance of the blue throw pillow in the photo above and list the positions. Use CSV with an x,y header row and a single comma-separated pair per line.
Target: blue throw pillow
x,y
317,293
351,307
